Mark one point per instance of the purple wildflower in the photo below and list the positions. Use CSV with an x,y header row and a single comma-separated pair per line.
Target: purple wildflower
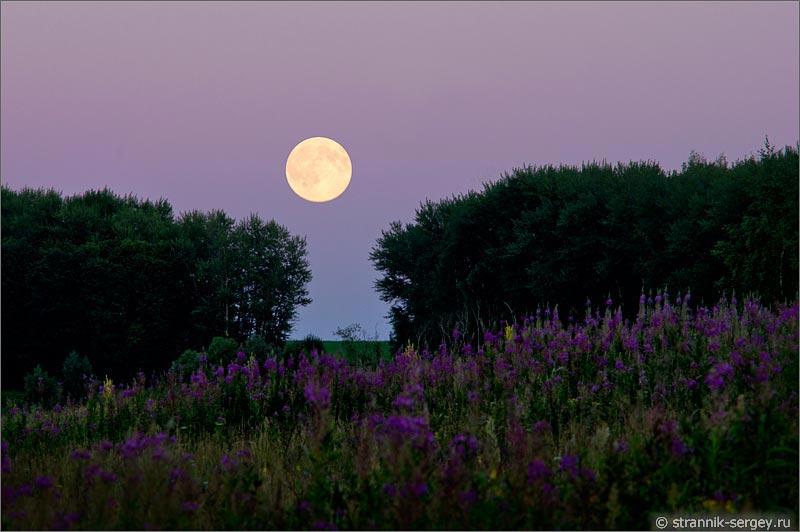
x,y
103,445
177,474
403,402
9,494
464,444
43,483
107,476
716,377
64,521
537,471
228,464
469,497
402,429
6,460
92,470
318,395
569,464
677,448
80,454
418,489
541,426
190,506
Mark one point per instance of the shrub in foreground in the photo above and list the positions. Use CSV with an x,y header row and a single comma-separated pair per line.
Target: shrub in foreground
x,y
222,350
41,388
76,370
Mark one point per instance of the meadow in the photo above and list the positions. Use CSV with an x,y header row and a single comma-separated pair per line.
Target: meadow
x,y
354,351
592,424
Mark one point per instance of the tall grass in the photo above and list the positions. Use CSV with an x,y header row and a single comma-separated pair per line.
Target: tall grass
x,y
592,425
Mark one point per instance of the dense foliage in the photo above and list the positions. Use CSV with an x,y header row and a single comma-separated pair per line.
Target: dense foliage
x,y
76,371
562,236
128,286
593,425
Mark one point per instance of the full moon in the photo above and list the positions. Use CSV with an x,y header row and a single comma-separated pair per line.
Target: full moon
x,y
318,169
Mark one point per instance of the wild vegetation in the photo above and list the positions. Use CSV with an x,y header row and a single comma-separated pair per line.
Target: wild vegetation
x,y
591,425
562,236
124,283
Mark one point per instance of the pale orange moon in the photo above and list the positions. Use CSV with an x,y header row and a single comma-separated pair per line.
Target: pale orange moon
x,y
318,169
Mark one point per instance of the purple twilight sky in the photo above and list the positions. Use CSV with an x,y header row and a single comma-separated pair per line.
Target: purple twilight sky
x,y
201,103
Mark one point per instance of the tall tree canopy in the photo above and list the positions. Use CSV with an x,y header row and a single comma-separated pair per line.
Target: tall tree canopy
x,y
123,282
270,276
562,236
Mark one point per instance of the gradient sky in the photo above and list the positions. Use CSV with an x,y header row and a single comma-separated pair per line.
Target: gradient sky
x,y
201,103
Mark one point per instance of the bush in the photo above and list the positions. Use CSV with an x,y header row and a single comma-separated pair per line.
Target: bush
x,y
76,370
222,350
41,388
258,346
187,363
312,343
350,335
306,345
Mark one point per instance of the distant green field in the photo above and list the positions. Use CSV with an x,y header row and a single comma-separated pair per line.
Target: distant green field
x,y
363,350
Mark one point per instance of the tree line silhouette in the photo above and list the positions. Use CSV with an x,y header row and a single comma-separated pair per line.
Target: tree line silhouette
x,y
128,285
578,236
